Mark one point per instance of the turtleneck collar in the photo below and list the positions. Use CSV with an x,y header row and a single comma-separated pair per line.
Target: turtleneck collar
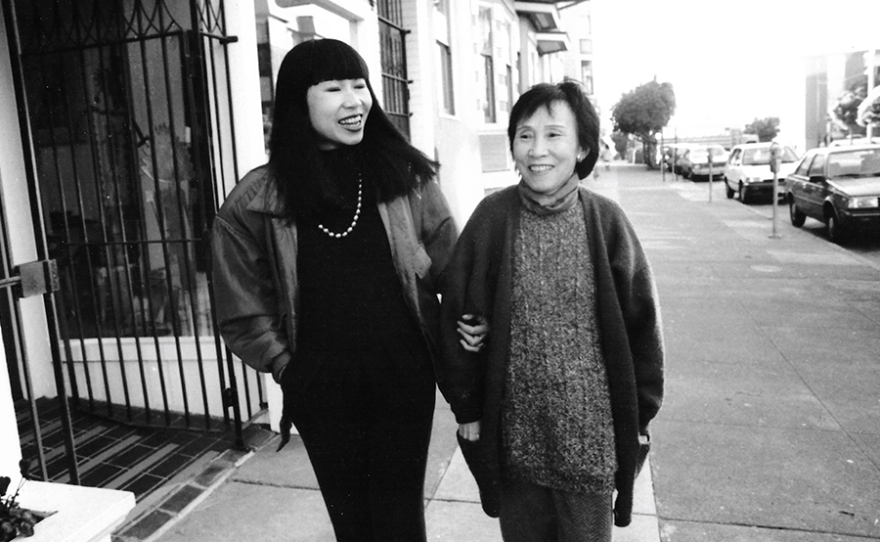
x,y
341,163
342,166
547,204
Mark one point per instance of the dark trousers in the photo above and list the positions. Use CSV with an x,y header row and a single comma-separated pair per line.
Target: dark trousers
x,y
532,513
365,420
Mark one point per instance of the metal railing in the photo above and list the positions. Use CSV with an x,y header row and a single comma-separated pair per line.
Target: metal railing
x,y
130,128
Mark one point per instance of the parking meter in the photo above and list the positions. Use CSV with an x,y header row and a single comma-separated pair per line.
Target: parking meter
x,y
775,157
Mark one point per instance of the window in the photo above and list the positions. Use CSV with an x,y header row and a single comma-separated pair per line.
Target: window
x,y
519,70
804,166
734,156
818,167
587,75
489,99
446,77
509,88
444,52
267,88
488,64
586,47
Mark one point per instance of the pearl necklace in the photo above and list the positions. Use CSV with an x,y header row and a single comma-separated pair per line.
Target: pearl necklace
x,y
357,214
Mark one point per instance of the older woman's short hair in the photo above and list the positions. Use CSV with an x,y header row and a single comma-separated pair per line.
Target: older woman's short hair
x,y
570,92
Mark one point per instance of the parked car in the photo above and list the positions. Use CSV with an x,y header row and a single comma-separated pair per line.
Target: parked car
x,y
694,164
854,141
747,171
672,153
839,186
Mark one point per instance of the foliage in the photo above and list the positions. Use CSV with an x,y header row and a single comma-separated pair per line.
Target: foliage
x,y
870,111
643,112
621,142
845,111
766,129
872,114
14,520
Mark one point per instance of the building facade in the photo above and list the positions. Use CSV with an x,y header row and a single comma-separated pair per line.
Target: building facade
x,y
125,123
828,79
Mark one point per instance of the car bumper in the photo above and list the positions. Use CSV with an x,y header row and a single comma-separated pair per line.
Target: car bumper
x,y
860,216
704,172
766,186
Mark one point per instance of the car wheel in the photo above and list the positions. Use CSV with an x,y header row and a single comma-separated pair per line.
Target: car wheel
x,y
796,215
743,193
730,191
836,232
686,174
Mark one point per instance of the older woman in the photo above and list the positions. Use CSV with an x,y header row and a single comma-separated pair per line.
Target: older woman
x,y
558,400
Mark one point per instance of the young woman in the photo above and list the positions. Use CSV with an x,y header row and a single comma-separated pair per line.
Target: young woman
x,y
326,267
558,402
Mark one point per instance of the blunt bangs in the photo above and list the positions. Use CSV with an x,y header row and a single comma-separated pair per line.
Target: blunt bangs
x,y
335,60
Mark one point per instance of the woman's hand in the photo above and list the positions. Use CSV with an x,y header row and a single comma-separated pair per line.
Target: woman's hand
x,y
473,330
469,431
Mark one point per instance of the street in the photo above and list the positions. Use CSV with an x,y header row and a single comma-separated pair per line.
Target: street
x,y
864,243
771,425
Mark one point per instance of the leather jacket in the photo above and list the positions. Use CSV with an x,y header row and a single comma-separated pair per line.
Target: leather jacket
x,y
254,249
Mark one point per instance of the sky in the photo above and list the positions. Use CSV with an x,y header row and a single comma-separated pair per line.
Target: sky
x,y
729,62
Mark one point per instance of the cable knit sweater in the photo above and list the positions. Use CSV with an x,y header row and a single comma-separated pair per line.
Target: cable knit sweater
x,y
479,280
556,412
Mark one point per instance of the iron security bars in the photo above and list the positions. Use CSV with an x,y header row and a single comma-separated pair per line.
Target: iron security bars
x,y
395,85
132,135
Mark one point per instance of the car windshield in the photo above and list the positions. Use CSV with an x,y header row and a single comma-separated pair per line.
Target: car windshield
x,y
702,155
761,156
856,163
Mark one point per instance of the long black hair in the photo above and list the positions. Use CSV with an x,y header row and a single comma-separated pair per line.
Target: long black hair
x,y
570,92
389,161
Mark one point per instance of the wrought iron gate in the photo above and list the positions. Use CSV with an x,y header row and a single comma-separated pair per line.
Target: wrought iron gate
x,y
130,125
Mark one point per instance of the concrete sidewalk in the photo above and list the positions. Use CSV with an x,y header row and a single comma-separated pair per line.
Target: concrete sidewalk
x,y
274,496
770,429
771,426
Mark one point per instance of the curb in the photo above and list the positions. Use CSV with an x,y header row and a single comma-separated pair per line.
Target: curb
x,y
172,508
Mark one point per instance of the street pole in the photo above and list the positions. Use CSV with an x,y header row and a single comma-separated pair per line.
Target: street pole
x,y
775,158
662,158
674,155
872,53
709,180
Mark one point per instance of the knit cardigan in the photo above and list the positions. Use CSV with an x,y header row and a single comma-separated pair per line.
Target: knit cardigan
x,y
479,281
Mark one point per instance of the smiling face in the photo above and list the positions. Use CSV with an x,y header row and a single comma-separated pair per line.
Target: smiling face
x,y
546,148
338,111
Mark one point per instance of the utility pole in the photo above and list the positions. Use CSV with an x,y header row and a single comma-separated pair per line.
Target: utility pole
x,y
709,180
775,159
674,155
662,158
871,65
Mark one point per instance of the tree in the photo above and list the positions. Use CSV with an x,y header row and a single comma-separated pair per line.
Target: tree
x,y
643,112
846,109
869,109
766,128
621,142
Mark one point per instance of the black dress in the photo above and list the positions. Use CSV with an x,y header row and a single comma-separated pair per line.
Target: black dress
x,y
360,388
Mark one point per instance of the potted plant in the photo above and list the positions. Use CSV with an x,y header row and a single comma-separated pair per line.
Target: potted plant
x,y
14,520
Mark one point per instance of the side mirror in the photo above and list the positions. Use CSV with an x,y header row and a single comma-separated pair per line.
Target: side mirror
x,y
818,179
